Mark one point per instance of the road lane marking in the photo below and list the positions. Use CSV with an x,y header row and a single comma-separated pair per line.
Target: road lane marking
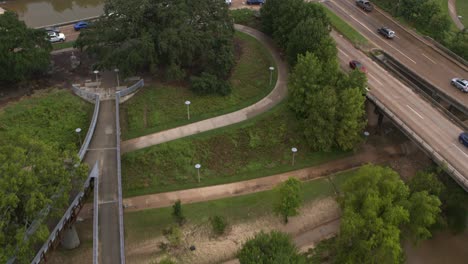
x,y
460,150
415,111
428,58
403,54
375,79
343,52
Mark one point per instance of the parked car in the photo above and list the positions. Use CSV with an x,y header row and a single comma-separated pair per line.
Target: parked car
x,y
55,37
80,25
365,5
255,2
388,33
354,64
463,138
461,84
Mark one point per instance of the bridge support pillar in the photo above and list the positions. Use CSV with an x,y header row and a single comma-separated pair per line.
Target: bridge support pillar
x,y
70,239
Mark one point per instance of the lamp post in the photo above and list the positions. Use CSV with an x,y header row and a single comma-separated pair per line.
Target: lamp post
x,y
96,74
271,73
198,166
294,150
117,72
187,103
78,131
366,135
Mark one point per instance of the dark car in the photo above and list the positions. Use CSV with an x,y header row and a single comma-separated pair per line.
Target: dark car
x,y
463,138
388,33
80,25
52,29
365,5
255,2
354,64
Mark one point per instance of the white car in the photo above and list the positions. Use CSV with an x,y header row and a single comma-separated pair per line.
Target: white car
x,y
461,84
55,37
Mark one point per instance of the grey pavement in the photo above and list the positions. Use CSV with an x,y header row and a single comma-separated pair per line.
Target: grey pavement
x,y
103,149
272,99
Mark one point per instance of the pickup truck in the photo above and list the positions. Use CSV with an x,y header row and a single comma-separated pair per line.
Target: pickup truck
x,y
365,5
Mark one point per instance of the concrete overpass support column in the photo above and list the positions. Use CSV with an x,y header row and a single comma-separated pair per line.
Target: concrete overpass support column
x,y
70,239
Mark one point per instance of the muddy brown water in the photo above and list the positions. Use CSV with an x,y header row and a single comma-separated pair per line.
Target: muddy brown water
x,y
39,13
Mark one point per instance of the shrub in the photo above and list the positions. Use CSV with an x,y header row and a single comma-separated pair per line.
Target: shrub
x,y
219,224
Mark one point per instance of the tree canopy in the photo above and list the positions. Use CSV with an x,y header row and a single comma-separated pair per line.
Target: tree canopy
x,y
24,52
184,37
33,176
289,198
270,248
377,206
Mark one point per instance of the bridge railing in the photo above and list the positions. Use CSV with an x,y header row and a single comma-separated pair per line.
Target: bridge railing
x,y
452,171
96,221
119,175
68,217
131,89
92,127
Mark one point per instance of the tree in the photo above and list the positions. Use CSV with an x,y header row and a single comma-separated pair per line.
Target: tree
x,y
426,181
350,118
24,52
289,198
177,212
376,205
311,34
186,36
314,100
272,248
33,177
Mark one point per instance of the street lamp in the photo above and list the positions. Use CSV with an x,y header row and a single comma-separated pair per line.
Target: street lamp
x,y
271,73
187,103
117,72
366,135
294,150
96,73
198,166
78,130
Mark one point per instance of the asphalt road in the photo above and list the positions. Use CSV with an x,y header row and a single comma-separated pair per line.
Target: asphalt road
x,y
103,150
424,119
413,51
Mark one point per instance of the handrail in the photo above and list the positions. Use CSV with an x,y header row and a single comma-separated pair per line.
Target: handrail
x,y
456,175
132,88
69,214
119,177
96,221
92,127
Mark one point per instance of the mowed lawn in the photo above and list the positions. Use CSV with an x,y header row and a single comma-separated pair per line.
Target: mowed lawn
x,y
161,106
147,224
256,148
50,116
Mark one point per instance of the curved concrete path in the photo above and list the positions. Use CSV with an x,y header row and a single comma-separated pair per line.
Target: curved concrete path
x,y
453,14
276,95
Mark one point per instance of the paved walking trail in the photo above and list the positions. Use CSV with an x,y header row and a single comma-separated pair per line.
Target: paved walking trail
x,y
275,96
453,14
368,154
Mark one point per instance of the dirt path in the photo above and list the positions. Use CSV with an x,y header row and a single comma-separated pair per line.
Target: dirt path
x,y
453,14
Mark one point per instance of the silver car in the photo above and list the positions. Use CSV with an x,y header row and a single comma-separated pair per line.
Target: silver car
x,y
55,37
461,84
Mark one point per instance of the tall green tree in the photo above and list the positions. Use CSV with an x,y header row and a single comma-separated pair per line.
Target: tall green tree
x,y
350,118
33,176
24,52
270,248
183,36
377,206
289,198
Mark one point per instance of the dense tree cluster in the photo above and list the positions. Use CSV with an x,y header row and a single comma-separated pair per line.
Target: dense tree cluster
x,y
24,52
329,103
179,38
377,208
33,176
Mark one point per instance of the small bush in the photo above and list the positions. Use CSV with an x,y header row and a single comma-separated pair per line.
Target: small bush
x,y
174,235
219,224
177,213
